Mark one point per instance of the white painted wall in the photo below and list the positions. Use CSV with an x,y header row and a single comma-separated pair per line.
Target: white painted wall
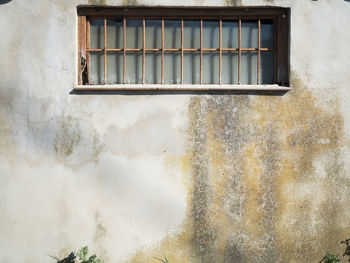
x,y
106,170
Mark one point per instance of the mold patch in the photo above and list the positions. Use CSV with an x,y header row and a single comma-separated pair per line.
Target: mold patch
x,y
76,143
67,138
233,2
255,195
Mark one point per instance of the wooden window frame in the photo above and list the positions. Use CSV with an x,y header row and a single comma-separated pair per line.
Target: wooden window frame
x,y
280,16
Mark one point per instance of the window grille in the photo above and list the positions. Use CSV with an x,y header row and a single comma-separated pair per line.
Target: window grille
x,y
187,46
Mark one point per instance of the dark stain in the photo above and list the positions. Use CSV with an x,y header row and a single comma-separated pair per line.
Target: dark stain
x,y
293,126
101,229
252,166
231,132
2,2
203,237
67,138
269,146
233,2
232,253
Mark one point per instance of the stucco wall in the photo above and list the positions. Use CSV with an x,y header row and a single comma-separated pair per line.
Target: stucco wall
x,y
197,177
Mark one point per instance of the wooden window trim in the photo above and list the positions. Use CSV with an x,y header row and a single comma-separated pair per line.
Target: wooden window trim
x,y
280,16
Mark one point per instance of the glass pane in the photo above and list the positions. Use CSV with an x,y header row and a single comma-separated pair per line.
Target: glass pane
x,y
249,64
249,35
97,66
133,33
192,34
266,35
153,34
97,33
172,34
114,68
210,74
229,73
266,67
211,34
172,68
191,68
133,66
153,68
229,34
115,33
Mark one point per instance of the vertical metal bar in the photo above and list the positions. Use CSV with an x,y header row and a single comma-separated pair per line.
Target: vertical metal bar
x,y
274,52
124,47
239,49
201,52
220,51
105,50
143,49
182,51
88,46
258,69
162,50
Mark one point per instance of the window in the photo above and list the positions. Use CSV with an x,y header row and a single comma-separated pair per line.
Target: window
x,y
182,47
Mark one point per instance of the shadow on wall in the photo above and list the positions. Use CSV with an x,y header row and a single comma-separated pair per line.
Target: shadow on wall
x,y
2,2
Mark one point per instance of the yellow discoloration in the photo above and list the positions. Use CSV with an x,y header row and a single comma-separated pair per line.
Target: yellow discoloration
x,y
97,2
69,136
255,194
66,138
130,2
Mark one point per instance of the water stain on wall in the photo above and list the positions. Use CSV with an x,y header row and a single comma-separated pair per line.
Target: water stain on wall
x,y
71,138
6,131
233,2
67,138
269,2
130,2
97,2
252,196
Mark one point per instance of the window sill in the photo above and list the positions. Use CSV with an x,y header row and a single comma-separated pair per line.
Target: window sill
x,y
209,87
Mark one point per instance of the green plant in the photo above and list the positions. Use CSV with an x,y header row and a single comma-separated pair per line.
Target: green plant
x,y
329,258
162,260
82,255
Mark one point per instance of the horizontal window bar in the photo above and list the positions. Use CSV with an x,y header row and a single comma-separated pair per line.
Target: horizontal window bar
x,y
178,49
198,87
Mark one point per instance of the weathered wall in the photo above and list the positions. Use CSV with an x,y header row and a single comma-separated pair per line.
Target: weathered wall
x,y
197,177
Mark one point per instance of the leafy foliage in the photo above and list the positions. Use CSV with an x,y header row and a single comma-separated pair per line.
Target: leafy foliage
x,y
329,258
82,255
